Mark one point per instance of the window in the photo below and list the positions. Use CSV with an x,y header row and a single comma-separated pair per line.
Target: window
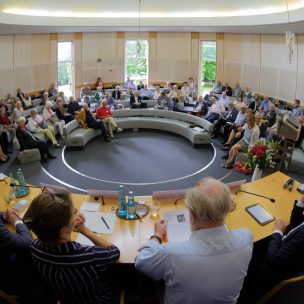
x,y
136,60
65,68
208,66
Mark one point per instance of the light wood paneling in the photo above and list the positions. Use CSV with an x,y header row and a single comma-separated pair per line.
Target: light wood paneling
x,y
6,65
152,57
300,69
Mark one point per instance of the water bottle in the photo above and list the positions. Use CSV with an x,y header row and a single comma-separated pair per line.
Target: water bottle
x,y
14,190
131,206
122,209
21,182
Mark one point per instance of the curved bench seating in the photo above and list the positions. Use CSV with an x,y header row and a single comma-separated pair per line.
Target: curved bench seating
x,y
170,121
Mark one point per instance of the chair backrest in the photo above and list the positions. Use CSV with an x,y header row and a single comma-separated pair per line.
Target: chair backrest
x,y
103,194
169,194
288,291
71,126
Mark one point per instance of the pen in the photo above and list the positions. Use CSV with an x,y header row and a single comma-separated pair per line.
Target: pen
x,y
105,222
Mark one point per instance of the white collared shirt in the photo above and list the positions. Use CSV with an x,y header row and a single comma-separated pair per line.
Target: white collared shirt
x,y
208,268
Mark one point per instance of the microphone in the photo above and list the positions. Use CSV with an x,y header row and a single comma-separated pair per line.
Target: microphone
x,y
271,199
28,186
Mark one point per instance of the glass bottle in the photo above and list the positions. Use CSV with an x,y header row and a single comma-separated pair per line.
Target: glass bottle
x,y
122,208
131,206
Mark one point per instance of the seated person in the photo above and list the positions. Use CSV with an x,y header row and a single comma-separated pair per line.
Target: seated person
x,y
52,89
218,88
192,86
45,99
237,91
296,111
301,136
284,256
235,127
157,93
255,104
76,273
224,99
111,102
28,141
211,266
168,87
62,113
17,112
185,91
251,136
176,97
36,124
200,108
87,120
127,82
140,85
14,253
227,89
215,111
63,98
207,97
239,103
145,93
271,116
265,105
117,93
247,95
98,81
132,85
104,113
227,118
51,119
55,95
27,101
262,124
136,101
6,123
164,101
73,106
98,94
85,93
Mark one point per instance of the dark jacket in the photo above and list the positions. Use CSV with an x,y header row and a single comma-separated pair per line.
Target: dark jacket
x,y
132,101
114,95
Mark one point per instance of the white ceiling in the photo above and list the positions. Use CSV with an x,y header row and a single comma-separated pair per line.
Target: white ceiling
x,y
238,16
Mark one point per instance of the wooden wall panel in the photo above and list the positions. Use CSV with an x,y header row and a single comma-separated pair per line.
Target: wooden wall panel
x,y
6,65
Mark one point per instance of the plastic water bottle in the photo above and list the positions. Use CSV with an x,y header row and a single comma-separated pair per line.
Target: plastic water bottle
x,y
21,182
14,189
131,206
122,209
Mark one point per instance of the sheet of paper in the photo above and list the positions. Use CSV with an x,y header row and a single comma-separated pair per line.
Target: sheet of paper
x,y
81,239
178,225
88,206
94,222
2,176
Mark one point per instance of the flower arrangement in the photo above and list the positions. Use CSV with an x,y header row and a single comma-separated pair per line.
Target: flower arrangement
x,y
262,155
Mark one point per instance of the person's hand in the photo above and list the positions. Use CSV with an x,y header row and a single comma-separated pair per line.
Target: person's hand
x,y
279,224
80,224
160,228
11,216
301,199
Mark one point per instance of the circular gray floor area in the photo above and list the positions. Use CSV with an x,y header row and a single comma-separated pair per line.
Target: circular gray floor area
x,y
139,158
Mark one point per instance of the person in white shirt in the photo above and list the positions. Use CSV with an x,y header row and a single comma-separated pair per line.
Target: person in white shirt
x,y
157,93
185,91
50,117
211,266
224,99
215,111
17,112
36,124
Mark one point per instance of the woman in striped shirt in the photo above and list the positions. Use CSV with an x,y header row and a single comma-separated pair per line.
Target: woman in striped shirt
x,y
76,273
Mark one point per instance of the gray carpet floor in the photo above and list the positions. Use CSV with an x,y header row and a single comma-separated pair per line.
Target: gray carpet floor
x,y
143,161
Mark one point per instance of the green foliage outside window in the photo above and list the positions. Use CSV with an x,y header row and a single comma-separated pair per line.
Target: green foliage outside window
x,y
208,64
64,73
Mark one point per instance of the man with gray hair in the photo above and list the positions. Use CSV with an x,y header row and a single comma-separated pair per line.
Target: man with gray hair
x,y
211,266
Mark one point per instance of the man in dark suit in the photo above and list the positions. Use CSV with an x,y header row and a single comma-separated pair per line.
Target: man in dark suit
x,y
13,249
136,102
28,141
227,89
284,256
228,118
116,94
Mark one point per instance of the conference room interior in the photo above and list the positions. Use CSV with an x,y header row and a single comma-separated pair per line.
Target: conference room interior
x,y
256,45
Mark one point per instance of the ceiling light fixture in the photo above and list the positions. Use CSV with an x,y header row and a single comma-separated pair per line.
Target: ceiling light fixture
x,y
290,36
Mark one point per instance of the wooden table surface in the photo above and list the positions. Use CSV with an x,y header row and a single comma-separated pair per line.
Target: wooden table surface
x,y
128,236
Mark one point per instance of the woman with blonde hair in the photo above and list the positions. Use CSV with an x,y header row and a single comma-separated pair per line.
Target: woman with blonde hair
x,y
18,111
50,117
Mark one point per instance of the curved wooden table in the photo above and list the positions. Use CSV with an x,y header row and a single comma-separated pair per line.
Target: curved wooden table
x,y
128,236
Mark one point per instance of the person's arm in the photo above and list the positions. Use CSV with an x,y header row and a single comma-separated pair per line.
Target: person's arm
x,y
297,216
151,257
21,139
14,241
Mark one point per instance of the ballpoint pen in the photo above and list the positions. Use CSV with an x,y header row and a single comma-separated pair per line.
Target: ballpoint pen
x,y
105,222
